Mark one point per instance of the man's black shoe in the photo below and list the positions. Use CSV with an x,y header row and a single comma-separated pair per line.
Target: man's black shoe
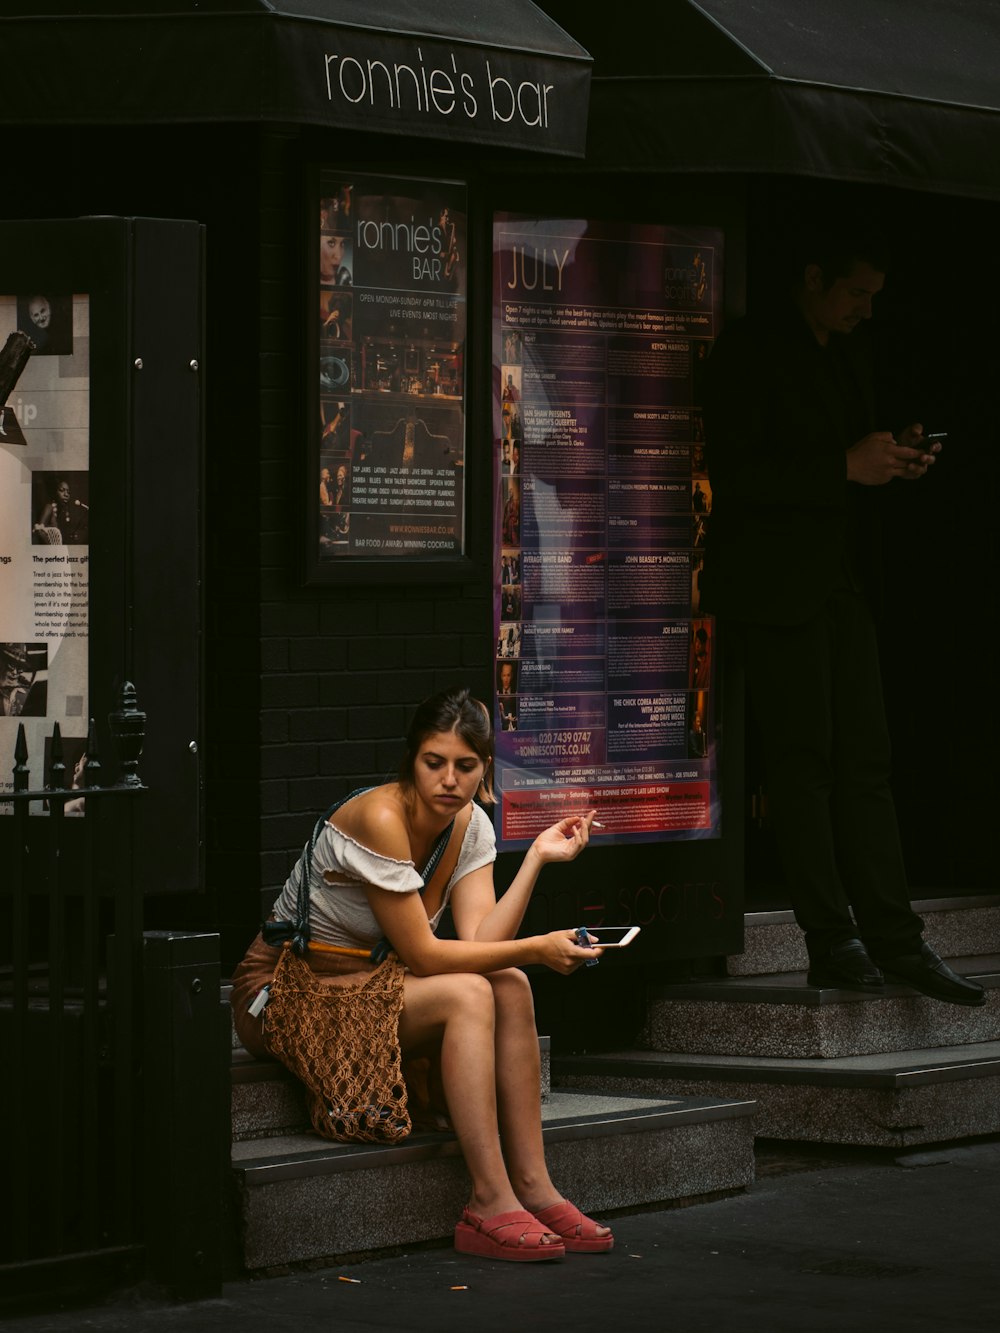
x,y
927,972
847,967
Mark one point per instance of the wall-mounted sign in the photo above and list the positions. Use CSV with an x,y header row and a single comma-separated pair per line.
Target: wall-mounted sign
x,y
605,671
501,75
387,306
374,80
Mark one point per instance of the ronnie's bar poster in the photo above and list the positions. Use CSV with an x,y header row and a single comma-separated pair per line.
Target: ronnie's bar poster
x,y
389,320
605,691
45,535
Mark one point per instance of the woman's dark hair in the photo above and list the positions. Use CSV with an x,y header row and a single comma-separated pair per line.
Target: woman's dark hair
x,y
452,710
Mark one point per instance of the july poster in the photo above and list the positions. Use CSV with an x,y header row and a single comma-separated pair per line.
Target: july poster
x,y
605,687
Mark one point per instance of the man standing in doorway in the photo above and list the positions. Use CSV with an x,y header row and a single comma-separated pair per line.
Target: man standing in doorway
x,y
796,457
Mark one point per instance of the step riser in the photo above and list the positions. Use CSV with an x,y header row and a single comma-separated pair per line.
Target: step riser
x,y
827,1031
365,1210
267,1108
861,1117
779,946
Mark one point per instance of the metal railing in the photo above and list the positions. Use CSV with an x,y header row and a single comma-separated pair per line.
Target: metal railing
x,y
70,1004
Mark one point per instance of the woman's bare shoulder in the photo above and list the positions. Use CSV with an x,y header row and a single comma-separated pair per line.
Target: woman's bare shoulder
x,y
377,820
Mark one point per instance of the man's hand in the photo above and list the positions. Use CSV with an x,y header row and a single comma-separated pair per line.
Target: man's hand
x,y
880,457
923,454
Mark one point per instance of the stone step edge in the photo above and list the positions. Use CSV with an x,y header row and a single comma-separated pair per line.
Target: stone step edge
x,y
792,988
900,1069
304,1155
922,906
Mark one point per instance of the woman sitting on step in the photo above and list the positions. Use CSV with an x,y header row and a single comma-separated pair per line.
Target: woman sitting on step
x,y
465,1001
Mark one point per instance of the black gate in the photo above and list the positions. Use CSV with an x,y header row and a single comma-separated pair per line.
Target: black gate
x,y
86,1203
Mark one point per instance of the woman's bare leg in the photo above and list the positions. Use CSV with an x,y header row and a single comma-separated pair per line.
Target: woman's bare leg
x,y
458,1010
519,1092
519,1089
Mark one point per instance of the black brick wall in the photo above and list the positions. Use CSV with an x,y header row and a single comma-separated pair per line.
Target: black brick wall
x,y
340,668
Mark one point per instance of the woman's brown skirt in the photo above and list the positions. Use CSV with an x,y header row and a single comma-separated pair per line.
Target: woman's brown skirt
x,y
257,970
421,1072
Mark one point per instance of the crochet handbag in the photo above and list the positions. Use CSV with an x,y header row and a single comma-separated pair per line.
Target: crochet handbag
x,y
342,1044
340,1036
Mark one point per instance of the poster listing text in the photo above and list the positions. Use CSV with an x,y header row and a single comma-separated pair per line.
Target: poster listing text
x,y
605,693
44,536
391,309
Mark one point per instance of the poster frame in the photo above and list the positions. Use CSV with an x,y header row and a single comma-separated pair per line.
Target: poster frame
x,y
582,228
406,567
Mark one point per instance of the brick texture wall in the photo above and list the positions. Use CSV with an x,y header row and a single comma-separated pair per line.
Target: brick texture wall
x,y
341,668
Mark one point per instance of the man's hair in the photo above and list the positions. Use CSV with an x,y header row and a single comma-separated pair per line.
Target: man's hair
x,y
837,250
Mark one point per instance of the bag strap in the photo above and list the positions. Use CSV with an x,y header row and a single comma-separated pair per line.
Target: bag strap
x,y
297,932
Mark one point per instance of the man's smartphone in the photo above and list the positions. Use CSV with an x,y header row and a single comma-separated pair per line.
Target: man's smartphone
x,y
610,937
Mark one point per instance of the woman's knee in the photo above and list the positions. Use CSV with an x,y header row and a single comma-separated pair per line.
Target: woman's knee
x,y
466,993
471,988
430,1004
446,990
512,990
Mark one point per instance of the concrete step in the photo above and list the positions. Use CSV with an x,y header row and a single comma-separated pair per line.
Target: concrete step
x,y
268,1101
955,927
304,1200
896,1100
783,1017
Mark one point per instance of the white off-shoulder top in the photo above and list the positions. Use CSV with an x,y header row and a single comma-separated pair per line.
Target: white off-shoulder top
x,y
342,868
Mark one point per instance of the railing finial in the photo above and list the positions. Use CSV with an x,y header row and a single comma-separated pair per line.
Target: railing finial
x,y
128,727
20,770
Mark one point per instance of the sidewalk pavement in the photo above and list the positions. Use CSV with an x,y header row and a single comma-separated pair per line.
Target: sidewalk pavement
x,y
827,1239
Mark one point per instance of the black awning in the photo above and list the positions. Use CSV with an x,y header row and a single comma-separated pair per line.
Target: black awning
x,y
496,74
899,92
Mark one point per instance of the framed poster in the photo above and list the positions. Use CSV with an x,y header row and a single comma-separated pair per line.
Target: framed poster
x,y
45,554
386,305
605,684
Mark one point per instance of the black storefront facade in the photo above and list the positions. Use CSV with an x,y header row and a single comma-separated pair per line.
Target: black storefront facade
x,y
886,113
303,692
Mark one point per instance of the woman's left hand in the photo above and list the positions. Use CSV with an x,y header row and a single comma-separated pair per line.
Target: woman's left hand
x,y
565,840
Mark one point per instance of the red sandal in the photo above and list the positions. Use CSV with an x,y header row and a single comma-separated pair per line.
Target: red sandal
x,y
579,1233
516,1235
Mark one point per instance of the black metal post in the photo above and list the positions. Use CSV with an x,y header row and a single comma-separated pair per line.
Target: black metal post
x,y
57,993
21,1166
92,1172
128,729
187,1112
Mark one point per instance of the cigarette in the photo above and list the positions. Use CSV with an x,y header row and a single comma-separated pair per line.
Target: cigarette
x,y
596,823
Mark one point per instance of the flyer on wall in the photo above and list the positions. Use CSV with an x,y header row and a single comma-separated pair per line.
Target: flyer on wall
x,y
44,537
605,687
389,453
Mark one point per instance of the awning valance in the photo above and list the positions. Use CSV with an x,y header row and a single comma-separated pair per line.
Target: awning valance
x,y
898,92
505,75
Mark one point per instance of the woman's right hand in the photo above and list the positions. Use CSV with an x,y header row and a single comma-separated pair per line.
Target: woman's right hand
x,y
566,840
560,951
